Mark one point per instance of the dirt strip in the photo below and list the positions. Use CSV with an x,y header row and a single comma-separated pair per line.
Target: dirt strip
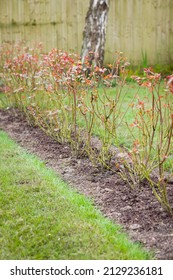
x,y
137,211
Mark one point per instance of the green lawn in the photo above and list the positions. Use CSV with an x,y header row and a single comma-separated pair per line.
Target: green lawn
x,y
42,218
56,102
130,93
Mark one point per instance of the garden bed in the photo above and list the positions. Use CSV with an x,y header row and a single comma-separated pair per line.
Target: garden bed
x,y
138,211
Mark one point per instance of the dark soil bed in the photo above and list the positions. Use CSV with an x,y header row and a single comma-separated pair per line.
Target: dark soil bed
x,y
136,210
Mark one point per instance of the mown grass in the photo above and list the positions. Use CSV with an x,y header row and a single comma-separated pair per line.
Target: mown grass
x,y
130,93
42,218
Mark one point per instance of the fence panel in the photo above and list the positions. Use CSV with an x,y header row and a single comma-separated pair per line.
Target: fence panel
x,y
142,29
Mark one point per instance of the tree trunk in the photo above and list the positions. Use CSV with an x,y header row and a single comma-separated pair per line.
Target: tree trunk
x,y
94,34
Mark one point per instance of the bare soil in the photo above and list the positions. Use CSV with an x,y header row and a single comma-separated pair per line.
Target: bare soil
x,y
139,213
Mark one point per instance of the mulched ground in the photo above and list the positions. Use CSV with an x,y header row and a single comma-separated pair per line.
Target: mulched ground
x,y
136,210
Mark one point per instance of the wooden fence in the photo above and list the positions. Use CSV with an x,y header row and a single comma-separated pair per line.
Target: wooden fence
x,y
142,29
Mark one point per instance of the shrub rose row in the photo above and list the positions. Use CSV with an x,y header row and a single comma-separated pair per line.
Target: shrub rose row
x,y
69,100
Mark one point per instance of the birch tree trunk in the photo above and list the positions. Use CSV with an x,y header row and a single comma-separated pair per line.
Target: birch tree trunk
x,y
94,34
